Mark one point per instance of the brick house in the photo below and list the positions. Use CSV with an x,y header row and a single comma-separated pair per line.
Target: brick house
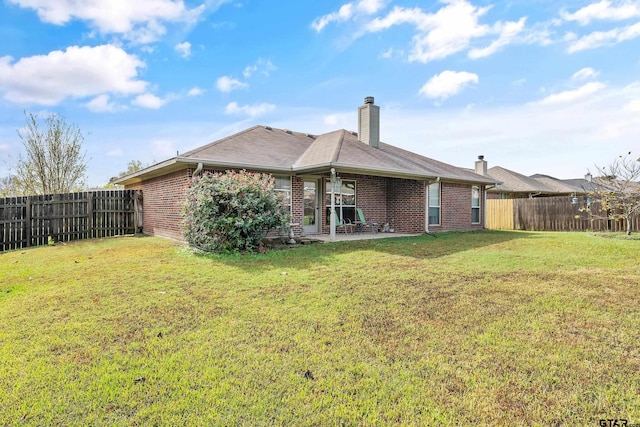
x,y
412,193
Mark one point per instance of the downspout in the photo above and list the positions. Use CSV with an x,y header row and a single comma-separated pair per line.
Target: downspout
x,y
197,171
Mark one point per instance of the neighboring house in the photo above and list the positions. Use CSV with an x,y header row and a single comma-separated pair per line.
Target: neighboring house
x,y
413,193
513,185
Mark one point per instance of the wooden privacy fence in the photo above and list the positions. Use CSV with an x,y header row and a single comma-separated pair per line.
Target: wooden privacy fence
x,y
32,220
549,214
500,214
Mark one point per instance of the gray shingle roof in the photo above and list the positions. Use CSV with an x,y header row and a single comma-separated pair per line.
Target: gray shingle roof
x,y
269,149
515,182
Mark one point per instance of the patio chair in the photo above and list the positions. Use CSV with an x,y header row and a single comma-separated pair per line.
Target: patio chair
x,y
362,222
345,225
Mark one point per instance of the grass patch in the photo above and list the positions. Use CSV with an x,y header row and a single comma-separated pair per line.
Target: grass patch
x,y
487,328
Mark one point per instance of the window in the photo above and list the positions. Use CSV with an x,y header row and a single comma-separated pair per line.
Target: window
x,y
283,187
434,203
345,201
475,205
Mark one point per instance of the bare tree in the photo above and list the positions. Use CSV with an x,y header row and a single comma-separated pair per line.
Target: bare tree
x,y
54,161
617,190
8,186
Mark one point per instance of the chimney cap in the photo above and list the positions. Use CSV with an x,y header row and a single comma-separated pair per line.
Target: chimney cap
x,y
368,100
481,157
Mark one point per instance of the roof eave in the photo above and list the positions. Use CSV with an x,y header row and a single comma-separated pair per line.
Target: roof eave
x,y
179,163
386,172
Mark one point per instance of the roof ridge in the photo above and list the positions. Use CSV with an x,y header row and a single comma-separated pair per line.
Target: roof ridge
x,y
336,152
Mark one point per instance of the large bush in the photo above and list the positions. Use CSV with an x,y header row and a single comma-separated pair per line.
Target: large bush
x,y
232,211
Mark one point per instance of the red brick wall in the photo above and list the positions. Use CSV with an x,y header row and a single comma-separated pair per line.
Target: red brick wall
x,y
297,204
401,202
455,208
406,205
162,199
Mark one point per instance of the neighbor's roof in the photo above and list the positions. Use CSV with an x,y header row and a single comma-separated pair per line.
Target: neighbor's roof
x,y
577,185
267,149
517,183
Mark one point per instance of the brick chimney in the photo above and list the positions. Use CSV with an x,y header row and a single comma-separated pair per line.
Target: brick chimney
x,y
369,123
481,166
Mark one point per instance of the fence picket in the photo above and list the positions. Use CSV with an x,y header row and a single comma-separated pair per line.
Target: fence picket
x,y
549,214
29,221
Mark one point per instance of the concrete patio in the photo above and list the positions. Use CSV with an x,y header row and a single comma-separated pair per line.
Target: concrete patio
x,y
341,237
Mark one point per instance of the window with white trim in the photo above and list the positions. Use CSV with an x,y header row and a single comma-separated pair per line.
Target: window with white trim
x,y
345,201
475,205
283,187
434,203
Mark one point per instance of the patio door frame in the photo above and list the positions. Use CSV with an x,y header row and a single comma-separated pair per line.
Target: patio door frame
x,y
317,226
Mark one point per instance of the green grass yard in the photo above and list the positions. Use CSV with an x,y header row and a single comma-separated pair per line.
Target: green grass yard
x,y
487,328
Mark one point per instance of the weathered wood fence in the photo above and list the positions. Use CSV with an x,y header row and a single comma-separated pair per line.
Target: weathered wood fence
x,y
549,214
32,220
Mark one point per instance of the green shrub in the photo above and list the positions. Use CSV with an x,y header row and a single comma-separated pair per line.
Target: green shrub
x,y
232,211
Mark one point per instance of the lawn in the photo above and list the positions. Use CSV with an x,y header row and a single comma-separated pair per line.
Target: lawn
x,y
483,328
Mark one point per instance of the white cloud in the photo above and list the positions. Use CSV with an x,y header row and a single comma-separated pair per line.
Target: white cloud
x,y
101,104
196,91
573,95
602,38
77,72
508,32
249,110
184,49
346,12
449,30
586,73
263,66
227,84
632,106
148,100
447,83
141,21
249,70
603,10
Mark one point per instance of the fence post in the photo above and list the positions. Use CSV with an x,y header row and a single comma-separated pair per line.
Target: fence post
x,y
27,221
90,221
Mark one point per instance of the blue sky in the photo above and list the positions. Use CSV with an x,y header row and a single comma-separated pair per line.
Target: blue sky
x,y
536,86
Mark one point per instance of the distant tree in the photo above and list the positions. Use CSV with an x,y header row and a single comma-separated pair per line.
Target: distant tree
x,y
132,166
54,161
617,190
8,186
